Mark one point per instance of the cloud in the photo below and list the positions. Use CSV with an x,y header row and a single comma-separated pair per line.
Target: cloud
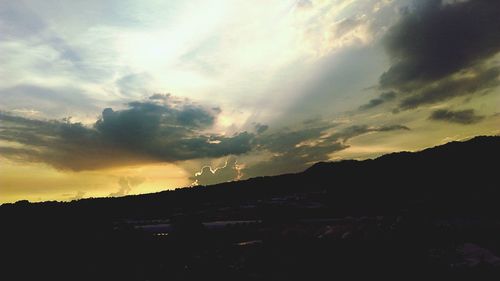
x,y
161,129
293,160
304,4
345,26
52,101
169,130
437,40
229,172
384,97
261,128
479,80
126,185
357,130
285,140
17,20
61,144
135,84
467,116
337,80
79,195
440,51
295,150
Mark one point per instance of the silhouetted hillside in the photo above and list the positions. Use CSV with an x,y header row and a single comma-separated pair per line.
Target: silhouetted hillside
x,y
455,177
428,215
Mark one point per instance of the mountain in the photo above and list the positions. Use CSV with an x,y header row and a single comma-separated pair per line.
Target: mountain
x,y
455,177
432,214
450,177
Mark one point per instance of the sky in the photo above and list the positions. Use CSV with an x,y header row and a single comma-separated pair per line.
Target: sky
x,y
118,97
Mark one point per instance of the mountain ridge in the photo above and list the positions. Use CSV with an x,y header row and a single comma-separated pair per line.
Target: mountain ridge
x,y
389,182
424,212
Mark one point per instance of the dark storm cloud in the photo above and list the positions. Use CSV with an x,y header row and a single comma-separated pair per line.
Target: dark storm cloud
x,y
388,128
483,80
148,131
357,130
437,40
387,96
63,145
434,45
214,146
467,116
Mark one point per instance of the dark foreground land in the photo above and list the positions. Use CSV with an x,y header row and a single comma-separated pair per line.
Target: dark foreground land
x,y
429,215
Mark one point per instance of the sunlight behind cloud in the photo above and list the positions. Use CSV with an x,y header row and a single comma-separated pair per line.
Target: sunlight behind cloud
x,y
117,91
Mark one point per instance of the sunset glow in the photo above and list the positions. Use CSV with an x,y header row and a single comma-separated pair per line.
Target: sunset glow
x,y
111,98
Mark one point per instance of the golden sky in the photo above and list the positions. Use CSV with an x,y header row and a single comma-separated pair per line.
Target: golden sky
x,y
109,98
